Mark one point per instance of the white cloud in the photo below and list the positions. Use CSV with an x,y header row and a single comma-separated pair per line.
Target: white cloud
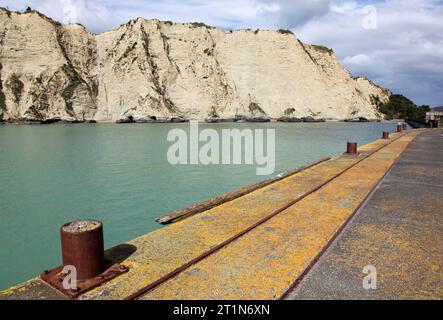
x,y
292,13
405,51
344,7
92,14
359,59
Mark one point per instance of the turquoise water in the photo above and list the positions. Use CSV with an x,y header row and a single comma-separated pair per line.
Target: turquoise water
x,y
120,175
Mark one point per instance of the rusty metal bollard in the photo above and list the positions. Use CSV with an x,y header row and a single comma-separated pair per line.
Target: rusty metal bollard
x,y
399,127
385,135
352,148
83,247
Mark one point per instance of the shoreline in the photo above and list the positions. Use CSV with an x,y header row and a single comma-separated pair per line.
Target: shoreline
x,y
93,122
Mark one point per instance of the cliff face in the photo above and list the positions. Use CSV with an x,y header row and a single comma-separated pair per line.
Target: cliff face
x,y
151,70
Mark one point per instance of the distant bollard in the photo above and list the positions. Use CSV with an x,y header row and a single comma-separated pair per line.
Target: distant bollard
x,y
352,148
83,248
404,127
399,127
385,135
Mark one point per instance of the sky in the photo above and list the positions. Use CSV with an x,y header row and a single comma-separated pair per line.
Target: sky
x,y
396,43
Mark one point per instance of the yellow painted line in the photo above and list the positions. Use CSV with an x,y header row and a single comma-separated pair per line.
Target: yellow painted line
x,y
263,263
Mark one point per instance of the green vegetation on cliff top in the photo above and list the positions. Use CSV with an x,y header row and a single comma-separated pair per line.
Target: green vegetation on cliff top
x,y
400,107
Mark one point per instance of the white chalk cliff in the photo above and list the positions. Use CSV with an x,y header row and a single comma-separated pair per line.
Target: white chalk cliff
x,y
148,69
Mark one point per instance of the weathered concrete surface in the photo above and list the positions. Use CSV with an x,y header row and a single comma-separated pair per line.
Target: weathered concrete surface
x,y
399,231
263,263
34,289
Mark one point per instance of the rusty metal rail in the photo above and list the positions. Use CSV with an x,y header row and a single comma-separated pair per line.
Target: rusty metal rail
x,y
216,248
303,274
200,207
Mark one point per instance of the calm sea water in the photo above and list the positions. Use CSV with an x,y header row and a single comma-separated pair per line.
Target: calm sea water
x,y
120,175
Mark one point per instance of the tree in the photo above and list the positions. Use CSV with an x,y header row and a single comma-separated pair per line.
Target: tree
x,y
421,112
401,107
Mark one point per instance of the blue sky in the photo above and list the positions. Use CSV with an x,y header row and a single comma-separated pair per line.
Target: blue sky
x,y
402,51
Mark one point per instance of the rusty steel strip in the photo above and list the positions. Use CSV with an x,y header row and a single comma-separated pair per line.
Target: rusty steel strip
x,y
200,207
216,248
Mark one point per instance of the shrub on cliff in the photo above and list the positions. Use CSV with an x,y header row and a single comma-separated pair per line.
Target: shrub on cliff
x,y
289,111
400,107
255,108
284,31
16,86
322,49
200,25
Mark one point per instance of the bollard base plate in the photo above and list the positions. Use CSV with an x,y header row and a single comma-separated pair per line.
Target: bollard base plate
x,y
55,278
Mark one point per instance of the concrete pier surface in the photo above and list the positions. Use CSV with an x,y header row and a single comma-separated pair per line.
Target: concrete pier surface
x,y
267,244
399,231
